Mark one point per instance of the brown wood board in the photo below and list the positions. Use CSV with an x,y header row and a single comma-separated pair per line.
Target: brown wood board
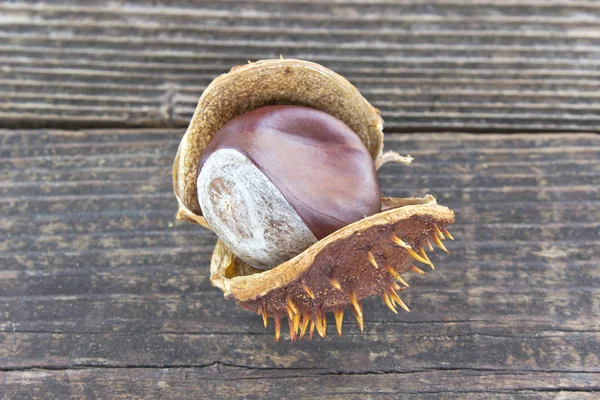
x,y
104,295
460,65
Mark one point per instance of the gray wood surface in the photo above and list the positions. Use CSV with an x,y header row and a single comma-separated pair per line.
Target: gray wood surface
x,y
461,65
104,295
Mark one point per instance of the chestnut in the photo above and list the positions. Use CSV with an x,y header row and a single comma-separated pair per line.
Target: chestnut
x,y
275,180
279,160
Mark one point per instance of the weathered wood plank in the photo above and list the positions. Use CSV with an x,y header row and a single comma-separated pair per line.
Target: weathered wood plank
x,y
395,347
162,184
112,221
435,65
488,237
163,302
215,381
103,294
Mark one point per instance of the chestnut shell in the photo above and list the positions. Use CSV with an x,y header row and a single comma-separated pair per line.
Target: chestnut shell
x,y
322,158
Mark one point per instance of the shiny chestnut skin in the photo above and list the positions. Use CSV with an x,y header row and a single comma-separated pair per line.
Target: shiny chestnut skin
x,y
275,180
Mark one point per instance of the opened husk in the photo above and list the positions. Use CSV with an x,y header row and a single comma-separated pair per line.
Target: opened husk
x,y
359,260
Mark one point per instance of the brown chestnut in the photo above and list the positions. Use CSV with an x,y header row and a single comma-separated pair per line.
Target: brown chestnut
x,y
275,180
278,178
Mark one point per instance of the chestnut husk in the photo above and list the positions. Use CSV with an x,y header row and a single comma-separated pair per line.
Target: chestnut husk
x,y
362,259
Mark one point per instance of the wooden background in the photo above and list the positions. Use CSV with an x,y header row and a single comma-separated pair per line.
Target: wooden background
x,y
104,295
475,65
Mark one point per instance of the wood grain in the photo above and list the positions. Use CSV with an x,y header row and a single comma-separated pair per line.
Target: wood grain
x,y
104,295
439,65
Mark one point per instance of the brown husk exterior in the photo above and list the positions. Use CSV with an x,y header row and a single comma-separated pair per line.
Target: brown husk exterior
x,y
342,255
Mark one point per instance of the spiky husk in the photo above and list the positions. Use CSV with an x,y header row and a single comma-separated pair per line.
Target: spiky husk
x,y
365,258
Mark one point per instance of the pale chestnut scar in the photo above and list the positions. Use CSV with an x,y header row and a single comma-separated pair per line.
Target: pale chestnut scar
x,y
247,211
